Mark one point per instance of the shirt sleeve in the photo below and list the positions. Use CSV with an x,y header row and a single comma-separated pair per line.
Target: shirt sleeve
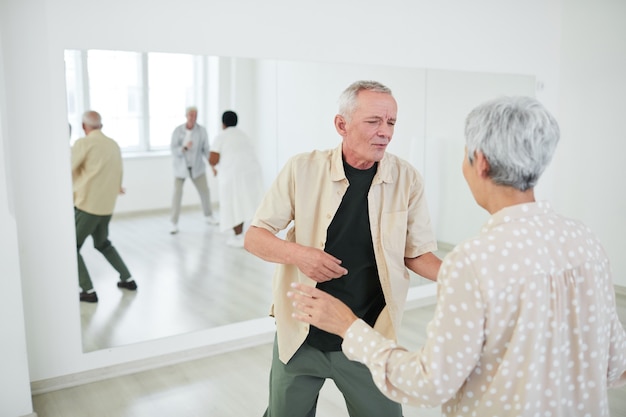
x,y
433,374
420,238
277,209
78,156
176,145
616,373
216,146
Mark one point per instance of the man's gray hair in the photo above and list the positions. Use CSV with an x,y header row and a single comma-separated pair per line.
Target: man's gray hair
x,y
348,99
190,109
518,137
92,119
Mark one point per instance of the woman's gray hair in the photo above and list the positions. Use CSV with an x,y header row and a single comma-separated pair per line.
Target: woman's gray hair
x,y
92,119
518,137
348,99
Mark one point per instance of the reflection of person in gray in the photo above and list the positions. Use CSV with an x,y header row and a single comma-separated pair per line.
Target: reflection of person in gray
x,y
240,177
525,322
97,181
190,150
360,219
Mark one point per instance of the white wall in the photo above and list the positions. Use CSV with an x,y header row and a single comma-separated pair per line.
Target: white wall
x,y
484,35
451,95
149,184
14,382
589,169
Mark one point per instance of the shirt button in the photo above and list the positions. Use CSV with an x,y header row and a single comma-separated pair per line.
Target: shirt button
x,y
328,216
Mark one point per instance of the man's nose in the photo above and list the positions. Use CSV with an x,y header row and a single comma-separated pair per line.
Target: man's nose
x,y
386,131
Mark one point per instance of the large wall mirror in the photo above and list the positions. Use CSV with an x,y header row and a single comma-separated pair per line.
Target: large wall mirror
x,y
192,281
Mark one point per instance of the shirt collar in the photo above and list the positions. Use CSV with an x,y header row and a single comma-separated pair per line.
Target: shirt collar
x,y
383,174
94,133
515,212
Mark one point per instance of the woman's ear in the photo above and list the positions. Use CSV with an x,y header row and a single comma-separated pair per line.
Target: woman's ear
x,y
481,164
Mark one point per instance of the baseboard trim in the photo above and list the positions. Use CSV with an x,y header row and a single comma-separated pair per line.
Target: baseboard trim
x,y
264,334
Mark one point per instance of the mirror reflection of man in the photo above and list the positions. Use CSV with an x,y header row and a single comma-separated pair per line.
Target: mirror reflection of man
x,y
190,153
97,181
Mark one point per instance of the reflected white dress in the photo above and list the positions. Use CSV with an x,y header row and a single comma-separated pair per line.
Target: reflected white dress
x,y
239,175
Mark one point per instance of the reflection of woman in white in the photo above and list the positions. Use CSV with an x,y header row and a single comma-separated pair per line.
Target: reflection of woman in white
x,y
240,177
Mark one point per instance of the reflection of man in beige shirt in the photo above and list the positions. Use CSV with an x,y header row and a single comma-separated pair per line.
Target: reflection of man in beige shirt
x,y
525,323
97,181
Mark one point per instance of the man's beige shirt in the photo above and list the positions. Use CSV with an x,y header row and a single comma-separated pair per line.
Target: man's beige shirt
x,y
525,325
308,192
96,173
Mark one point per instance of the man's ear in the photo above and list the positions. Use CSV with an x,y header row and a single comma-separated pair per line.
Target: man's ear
x,y
481,165
340,125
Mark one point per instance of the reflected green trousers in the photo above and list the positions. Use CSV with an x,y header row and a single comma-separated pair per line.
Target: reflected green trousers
x,y
98,228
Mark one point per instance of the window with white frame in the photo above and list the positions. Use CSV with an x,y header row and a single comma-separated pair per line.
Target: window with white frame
x,y
141,96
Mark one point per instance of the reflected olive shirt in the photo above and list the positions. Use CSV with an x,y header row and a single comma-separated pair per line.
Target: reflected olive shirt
x,y
96,173
525,325
308,191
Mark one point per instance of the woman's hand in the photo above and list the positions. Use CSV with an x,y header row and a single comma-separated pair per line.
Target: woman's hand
x,y
321,309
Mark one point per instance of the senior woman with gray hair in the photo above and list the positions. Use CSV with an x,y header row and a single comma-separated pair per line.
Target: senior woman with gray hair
x,y
525,322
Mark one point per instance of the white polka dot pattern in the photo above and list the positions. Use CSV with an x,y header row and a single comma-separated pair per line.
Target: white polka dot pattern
x,y
525,325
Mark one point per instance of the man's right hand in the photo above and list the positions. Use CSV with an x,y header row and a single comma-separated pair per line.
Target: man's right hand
x,y
319,265
314,263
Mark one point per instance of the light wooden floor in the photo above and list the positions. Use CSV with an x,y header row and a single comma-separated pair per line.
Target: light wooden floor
x,y
187,282
231,384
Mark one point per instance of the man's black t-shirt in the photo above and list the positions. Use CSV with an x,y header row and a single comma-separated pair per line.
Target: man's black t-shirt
x,y
349,239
